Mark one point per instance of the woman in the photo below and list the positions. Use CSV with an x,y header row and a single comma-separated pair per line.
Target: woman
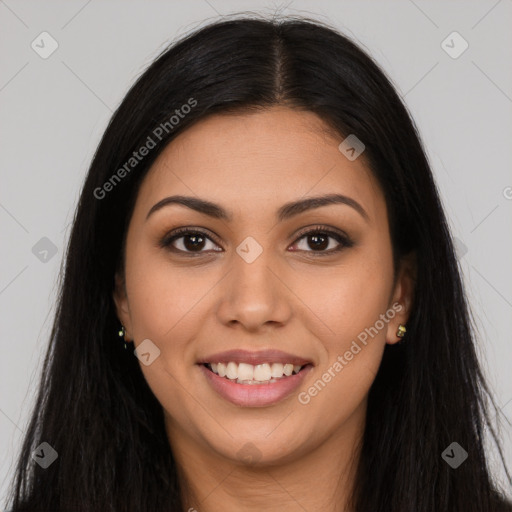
x,y
261,227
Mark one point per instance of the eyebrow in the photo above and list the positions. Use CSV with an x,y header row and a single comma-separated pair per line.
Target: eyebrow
x,y
285,212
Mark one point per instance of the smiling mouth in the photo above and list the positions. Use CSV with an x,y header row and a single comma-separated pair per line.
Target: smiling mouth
x,y
244,373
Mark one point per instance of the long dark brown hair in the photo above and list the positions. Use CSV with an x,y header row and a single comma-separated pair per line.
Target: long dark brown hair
x,y
94,406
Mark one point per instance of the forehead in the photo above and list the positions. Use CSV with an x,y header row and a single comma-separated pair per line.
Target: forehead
x,y
251,159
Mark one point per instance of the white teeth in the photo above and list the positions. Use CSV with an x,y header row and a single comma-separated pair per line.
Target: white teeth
x,y
262,372
277,370
232,370
221,369
288,369
245,373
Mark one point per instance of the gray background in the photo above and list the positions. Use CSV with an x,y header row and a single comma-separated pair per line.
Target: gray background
x,y
53,112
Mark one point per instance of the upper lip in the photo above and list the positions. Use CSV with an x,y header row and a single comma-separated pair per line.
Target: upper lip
x,y
254,357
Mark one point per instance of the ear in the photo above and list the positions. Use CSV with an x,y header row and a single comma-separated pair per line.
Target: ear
x,y
121,301
402,297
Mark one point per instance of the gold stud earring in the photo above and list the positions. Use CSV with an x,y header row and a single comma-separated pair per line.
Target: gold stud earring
x,y
401,331
122,334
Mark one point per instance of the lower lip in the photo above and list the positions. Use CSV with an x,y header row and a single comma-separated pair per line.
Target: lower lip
x,y
255,395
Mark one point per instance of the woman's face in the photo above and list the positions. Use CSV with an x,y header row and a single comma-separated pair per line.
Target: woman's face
x,y
254,283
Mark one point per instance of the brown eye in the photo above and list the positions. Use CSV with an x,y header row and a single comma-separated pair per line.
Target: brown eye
x,y
323,241
319,242
188,241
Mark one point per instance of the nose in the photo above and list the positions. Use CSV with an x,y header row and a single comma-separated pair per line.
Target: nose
x,y
253,296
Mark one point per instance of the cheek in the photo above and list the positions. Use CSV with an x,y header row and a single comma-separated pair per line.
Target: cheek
x,y
347,298
351,350
162,296
351,301
165,305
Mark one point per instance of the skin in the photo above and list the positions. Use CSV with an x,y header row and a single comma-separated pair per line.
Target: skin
x,y
312,306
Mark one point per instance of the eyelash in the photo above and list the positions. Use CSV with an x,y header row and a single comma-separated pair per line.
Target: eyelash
x,y
340,237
